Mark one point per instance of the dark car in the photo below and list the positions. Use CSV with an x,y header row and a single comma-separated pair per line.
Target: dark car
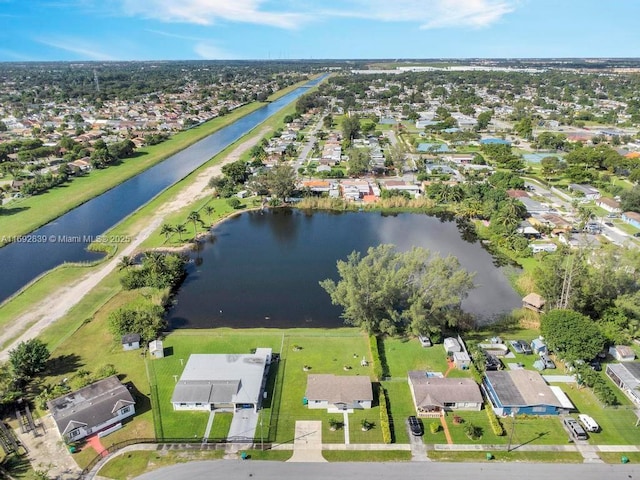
x,y
637,234
492,363
415,426
595,365
526,348
608,224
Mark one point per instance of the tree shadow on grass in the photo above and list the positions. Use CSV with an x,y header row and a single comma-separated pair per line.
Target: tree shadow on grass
x,y
8,211
64,364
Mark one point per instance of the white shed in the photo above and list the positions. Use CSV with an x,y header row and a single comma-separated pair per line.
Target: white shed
x,y
156,349
452,345
461,360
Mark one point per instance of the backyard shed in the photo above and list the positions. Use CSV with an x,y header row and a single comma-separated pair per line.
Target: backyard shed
x,y
622,353
534,302
131,341
452,345
156,350
461,360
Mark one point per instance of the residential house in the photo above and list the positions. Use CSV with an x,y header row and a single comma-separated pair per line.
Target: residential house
x,y
222,381
632,218
543,247
523,392
131,341
93,409
338,393
622,353
627,377
432,396
608,204
588,192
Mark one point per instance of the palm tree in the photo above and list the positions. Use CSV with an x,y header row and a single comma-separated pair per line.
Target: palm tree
x,y
180,229
125,262
195,218
166,230
208,210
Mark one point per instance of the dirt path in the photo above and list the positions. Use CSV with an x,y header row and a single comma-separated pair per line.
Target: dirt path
x,y
60,301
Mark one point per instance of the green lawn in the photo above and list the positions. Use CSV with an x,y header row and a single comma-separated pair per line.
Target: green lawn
x,y
366,456
617,424
481,456
133,464
405,354
286,400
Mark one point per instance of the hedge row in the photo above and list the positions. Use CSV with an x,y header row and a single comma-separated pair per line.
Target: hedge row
x,y
494,421
378,370
384,416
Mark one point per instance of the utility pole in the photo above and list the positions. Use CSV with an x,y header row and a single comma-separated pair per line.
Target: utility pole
x,y
514,412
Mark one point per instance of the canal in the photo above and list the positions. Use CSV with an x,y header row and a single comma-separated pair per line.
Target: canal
x,y
66,238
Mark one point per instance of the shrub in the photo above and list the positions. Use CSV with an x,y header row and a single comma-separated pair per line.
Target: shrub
x,y
494,421
385,425
435,427
375,356
473,431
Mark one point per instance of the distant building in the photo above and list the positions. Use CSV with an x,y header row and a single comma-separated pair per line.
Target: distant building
x,y
432,396
627,377
589,193
534,302
338,392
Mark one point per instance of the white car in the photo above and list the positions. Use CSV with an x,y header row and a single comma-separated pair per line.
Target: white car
x,y
589,423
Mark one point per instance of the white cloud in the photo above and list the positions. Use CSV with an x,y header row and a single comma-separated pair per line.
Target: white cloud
x,y
209,51
429,13
206,12
80,47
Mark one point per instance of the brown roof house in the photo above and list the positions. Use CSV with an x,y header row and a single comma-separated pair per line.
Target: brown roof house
x,y
99,407
534,302
435,395
338,393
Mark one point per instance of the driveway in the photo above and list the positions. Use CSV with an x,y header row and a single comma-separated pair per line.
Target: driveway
x,y
243,425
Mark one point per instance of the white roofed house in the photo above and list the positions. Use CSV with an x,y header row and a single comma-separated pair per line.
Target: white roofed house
x,y
99,407
222,381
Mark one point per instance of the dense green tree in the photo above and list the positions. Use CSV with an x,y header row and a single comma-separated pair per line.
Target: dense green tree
x,y
359,162
630,200
350,128
397,292
483,120
28,358
144,318
279,181
571,335
236,171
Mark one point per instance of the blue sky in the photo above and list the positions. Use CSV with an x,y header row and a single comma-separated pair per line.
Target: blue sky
x,y
301,29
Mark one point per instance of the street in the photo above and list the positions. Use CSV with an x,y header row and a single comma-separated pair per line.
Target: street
x,y
264,470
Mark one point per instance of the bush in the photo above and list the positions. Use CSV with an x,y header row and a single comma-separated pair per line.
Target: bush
x,y
385,425
435,427
473,431
375,356
494,421
234,202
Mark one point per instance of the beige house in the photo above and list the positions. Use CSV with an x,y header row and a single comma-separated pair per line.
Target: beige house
x,y
338,393
432,396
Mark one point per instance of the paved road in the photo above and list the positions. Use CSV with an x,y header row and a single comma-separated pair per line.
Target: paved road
x,y
264,470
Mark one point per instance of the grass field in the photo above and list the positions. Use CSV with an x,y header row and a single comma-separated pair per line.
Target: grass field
x,y
366,456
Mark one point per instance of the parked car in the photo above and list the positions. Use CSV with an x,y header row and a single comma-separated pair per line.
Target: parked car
x,y
492,363
589,423
637,234
608,224
526,348
596,365
517,348
415,426
548,363
575,429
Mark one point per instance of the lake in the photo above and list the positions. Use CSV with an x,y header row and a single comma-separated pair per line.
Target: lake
x,y
261,269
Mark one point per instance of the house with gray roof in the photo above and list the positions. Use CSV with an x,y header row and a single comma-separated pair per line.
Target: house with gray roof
x,y
92,409
222,381
338,393
436,395
523,392
627,377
